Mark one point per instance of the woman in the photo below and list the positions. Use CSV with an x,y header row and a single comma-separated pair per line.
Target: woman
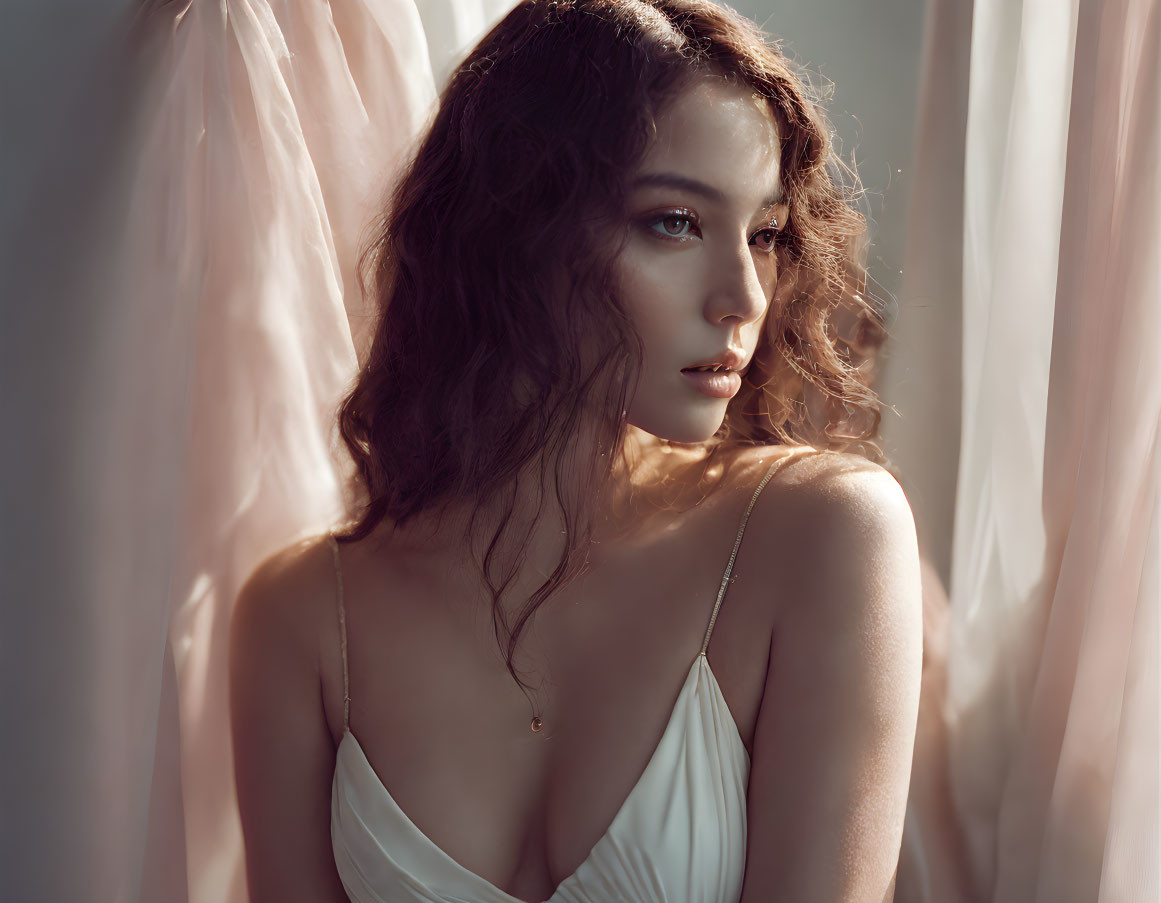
x,y
542,664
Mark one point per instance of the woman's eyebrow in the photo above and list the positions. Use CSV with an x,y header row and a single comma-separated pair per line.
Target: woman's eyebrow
x,y
673,180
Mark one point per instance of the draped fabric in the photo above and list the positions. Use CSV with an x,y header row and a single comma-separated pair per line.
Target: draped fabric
x,y
244,145
270,149
181,316
1051,713
310,107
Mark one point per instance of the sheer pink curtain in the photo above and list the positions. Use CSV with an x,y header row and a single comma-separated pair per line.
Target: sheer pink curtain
x,y
263,160
244,145
1052,702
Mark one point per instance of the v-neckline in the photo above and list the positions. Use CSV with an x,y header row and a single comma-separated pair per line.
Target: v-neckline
x,y
697,669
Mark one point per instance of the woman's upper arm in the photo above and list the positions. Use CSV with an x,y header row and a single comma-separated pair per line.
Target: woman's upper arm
x,y
835,732
284,755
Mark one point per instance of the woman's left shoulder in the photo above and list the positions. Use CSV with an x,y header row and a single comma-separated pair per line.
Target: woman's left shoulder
x,y
835,522
828,481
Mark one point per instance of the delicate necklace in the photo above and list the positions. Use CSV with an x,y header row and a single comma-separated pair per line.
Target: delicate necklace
x,y
537,723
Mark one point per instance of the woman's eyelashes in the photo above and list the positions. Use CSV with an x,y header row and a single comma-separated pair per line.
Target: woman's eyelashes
x,y
682,226
771,233
673,225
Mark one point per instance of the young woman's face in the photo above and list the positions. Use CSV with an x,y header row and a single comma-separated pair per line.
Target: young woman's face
x,y
699,271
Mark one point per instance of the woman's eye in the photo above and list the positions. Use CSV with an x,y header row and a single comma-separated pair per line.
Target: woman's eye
x,y
676,226
768,238
681,227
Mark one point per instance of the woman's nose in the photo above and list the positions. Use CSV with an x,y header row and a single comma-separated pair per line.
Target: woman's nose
x,y
736,288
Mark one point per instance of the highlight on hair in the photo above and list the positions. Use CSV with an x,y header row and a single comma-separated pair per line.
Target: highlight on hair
x,y
489,265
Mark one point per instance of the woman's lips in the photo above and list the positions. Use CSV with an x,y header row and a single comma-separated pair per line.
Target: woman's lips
x,y
723,384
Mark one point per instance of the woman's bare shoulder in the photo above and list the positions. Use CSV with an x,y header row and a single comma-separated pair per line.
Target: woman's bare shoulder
x,y
284,748
817,482
802,465
286,597
825,514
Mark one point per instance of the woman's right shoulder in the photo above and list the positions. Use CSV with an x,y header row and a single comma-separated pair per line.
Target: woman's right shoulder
x,y
289,598
283,742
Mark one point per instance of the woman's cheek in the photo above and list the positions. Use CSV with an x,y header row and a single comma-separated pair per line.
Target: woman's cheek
x,y
660,318
666,276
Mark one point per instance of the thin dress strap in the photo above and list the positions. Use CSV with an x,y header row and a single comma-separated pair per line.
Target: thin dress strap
x,y
726,579
342,633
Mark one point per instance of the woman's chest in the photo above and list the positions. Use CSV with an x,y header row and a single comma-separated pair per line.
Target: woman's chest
x,y
444,725
602,653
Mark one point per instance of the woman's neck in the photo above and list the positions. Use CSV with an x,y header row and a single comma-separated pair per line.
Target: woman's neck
x,y
649,477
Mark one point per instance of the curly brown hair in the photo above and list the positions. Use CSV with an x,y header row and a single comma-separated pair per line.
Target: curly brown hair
x,y
535,137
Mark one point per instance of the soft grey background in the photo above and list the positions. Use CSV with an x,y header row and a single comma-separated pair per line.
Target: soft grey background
x,y
868,54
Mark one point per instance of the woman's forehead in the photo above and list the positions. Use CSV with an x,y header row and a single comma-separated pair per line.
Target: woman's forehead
x,y
715,139
718,134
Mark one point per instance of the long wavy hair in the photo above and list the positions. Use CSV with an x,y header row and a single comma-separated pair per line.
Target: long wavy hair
x,y
488,268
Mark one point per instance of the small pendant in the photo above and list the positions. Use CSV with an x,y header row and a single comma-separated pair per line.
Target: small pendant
x,y
537,724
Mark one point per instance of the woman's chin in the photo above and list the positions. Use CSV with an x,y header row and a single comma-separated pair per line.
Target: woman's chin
x,y
688,430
